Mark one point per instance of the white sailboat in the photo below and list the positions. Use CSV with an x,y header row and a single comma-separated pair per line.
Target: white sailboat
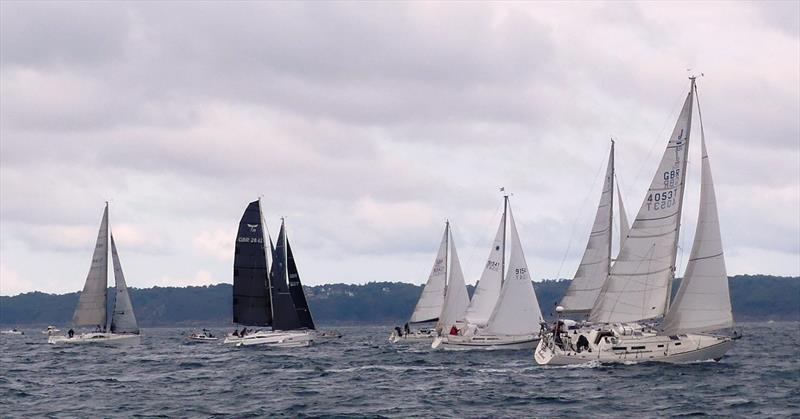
x,y
596,262
514,318
633,318
444,298
91,310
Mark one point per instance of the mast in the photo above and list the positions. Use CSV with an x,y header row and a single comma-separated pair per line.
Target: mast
x,y
611,209
446,254
692,89
268,259
505,223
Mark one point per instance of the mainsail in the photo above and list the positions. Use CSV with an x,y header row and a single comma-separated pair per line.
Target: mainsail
x,y
703,301
91,310
487,290
251,300
517,310
430,303
596,261
640,280
456,298
296,291
122,319
284,314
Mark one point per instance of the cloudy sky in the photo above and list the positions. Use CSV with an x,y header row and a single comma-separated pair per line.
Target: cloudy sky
x,y
368,124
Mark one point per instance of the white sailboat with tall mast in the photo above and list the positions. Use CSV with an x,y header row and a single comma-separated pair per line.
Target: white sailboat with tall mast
x,y
503,313
91,309
444,298
633,317
596,262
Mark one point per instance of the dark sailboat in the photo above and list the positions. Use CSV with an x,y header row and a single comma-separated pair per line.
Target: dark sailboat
x,y
251,300
265,295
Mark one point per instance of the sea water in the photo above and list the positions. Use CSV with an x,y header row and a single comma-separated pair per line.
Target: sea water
x,y
362,374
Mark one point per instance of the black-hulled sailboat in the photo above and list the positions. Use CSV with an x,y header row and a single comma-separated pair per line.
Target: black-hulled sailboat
x,y
91,309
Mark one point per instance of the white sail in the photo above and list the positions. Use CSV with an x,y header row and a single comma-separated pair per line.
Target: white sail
x,y
456,298
703,301
429,305
624,226
122,319
91,309
487,290
517,310
596,261
640,280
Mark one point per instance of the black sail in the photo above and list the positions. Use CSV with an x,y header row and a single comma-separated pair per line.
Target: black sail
x,y
284,314
251,300
296,290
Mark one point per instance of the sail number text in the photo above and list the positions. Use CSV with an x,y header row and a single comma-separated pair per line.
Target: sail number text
x,y
250,240
662,200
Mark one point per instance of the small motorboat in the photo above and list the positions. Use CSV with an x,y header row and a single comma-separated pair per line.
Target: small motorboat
x,y
50,330
13,331
204,336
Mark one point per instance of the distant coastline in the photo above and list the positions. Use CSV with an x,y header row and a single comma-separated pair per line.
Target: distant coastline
x,y
754,298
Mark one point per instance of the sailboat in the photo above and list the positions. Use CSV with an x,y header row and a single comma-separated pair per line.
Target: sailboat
x,y
596,261
444,298
267,295
633,317
91,310
503,314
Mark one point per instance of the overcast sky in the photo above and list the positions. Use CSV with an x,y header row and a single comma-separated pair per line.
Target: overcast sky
x,y
368,124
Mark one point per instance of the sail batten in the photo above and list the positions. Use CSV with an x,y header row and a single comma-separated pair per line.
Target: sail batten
x,y
640,279
251,300
91,309
123,320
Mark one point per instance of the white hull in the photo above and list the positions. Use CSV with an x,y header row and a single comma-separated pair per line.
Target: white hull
x,y
485,342
642,347
12,332
416,336
278,339
201,339
95,338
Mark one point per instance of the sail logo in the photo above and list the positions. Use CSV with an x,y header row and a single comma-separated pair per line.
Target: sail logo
x,y
252,227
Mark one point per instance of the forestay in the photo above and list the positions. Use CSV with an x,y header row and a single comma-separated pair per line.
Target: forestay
x,y
638,286
456,297
487,290
703,300
430,303
122,320
517,310
91,309
596,261
624,227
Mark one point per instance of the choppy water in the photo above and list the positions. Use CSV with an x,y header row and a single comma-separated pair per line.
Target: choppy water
x,y
361,374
